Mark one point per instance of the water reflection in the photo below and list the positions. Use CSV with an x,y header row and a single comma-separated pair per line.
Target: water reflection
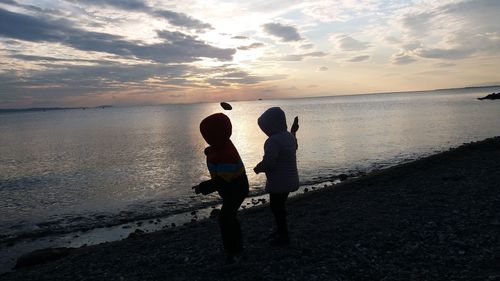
x,y
69,163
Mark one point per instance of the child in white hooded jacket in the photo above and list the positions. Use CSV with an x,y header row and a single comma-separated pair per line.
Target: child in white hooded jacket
x,y
280,166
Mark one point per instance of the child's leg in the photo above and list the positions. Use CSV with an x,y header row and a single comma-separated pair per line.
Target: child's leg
x,y
230,226
277,203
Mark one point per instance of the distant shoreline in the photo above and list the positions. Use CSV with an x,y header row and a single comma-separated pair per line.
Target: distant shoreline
x,y
42,109
37,109
396,92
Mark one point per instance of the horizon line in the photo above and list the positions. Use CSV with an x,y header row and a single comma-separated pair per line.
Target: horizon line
x,y
243,100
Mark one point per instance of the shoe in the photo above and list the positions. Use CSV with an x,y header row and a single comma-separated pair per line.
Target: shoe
x,y
280,242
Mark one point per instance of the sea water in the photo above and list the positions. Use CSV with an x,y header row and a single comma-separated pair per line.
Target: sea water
x,y
69,170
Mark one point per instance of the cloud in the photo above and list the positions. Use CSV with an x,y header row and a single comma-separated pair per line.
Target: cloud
x,y
392,40
347,43
59,82
419,23
241,78
121,4
402,58
25,27
448,54
445,64
24,57
359,59
28,7
306,46
75,78
451,31
84,47
116,64
286,33
177,47
239,37
251,46
340,10
174,18
183,20
295,57
412,45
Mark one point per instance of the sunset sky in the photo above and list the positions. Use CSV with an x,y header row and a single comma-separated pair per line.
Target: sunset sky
x,y
127,52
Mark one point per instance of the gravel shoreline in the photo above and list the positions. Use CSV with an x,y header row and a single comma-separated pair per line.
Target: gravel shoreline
x,y
437,218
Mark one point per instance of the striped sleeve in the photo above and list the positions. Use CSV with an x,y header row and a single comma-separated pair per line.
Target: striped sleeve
x,y
227,171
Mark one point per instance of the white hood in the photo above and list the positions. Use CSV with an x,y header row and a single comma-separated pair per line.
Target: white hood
x,y
272,121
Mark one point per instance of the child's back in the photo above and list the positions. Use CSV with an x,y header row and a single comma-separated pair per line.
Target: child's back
x,y
223,160
228,177
280,165
279,162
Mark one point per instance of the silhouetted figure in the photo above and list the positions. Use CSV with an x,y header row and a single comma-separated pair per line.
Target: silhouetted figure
x,y
280,166
228,177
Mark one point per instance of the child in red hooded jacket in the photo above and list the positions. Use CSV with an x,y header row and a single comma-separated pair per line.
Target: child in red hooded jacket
x,y
228,177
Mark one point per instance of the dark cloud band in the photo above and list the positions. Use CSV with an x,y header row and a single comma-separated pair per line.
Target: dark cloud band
x,y
177,48
174,18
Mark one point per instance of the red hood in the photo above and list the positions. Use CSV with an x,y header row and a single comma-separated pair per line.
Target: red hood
x,y
216,129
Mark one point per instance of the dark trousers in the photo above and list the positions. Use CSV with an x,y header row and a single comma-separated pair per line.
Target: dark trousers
x,y
229,224
277,202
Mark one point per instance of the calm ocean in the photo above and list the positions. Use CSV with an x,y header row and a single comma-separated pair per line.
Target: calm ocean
x,y
78,169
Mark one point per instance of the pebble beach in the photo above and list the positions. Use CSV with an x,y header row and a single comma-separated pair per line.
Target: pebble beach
x,y
437,218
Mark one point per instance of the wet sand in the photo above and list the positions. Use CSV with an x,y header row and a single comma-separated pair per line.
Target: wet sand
x,y
437,218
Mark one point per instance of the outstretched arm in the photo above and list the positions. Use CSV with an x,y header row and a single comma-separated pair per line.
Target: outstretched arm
x,y
294,129
209,186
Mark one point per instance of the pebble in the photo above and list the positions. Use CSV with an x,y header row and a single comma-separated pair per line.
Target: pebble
x,y
214,213
138,232
401,242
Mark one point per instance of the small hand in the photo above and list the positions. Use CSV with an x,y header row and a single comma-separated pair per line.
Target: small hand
x,y
256,170
208,150
295,125
196,189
